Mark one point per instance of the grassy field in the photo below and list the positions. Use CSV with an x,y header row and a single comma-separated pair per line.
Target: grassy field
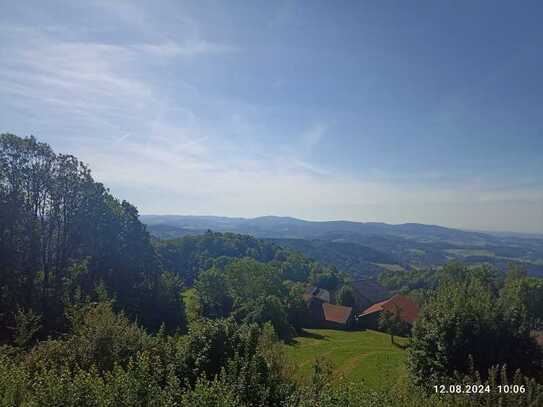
x,y
390,267
471,252
357,356
417,252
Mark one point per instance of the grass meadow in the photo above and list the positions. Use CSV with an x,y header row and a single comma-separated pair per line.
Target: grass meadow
x,y
367,356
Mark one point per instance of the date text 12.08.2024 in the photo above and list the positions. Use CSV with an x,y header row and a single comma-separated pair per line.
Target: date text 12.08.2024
x,y
479,388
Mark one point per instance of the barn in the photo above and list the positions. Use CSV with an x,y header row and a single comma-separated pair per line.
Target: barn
x,y
323,314
337,316
409,311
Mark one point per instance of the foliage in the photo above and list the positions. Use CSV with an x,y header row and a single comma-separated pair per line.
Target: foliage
x,y
107,360
345,296
240,276
27,325
250,291
190,255
419,284
296,307
409,280
391,323
355,259
92,310
218,363
323,277
320,393
99,338
212,295
524,295
463,326
62,235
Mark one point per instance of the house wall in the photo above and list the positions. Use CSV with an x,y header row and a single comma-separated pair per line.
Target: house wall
x,y
370,321
316,315
335,325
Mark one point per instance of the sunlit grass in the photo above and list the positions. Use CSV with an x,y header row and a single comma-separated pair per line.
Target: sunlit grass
x,y
367,356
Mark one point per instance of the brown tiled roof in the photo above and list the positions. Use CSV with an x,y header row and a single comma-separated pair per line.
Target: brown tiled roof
x,y
409,310
336,313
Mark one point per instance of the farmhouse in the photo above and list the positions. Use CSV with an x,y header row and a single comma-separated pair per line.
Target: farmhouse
x,y
326,315
408,309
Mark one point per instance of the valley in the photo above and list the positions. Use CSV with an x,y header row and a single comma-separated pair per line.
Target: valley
x,y
366,249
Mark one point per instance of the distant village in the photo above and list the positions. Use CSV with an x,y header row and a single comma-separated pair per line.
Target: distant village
x,y
371,300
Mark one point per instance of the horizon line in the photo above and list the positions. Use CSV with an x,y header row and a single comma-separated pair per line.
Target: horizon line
x,y
540,234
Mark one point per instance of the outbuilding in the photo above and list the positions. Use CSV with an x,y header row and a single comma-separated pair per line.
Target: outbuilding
x,y
408,309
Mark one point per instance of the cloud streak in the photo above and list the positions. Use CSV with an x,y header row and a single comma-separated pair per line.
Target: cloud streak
x,y
137,110
186,49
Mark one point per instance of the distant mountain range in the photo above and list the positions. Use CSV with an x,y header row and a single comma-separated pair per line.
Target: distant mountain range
x,y
367,248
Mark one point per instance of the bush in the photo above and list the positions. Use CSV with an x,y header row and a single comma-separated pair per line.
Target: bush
x,y
27,326
464,322
100,338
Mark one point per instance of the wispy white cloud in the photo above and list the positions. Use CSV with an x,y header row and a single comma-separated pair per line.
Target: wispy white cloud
x,y
100,83
92,81
184,149
253,188
187,48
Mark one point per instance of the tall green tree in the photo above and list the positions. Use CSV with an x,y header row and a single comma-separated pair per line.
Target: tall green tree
x,y
524,295
53,216
462,327
391,323
345,296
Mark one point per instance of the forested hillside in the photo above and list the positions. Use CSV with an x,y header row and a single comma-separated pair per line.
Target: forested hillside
x,y
366,249
253,280
357,260
189,255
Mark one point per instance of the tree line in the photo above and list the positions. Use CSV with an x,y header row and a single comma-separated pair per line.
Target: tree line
x,y
66,240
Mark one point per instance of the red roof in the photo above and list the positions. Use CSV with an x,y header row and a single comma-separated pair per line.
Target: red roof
x,y
409,310
336,313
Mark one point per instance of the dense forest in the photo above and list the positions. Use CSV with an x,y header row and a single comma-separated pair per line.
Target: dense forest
x,y
96,312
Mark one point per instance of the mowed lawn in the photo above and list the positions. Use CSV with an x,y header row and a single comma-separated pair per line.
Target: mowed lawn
x,y
366,356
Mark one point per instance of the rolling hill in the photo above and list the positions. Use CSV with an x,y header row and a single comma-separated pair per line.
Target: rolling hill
x,y
367,248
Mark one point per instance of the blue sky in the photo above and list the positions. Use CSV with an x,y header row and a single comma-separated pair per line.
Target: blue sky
x,y
426,112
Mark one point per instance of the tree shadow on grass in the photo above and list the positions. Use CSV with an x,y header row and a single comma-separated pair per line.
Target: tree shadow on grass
x,y
306,334
400,346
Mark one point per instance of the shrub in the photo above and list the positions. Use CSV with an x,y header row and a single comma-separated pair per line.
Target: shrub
x,y
462,321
